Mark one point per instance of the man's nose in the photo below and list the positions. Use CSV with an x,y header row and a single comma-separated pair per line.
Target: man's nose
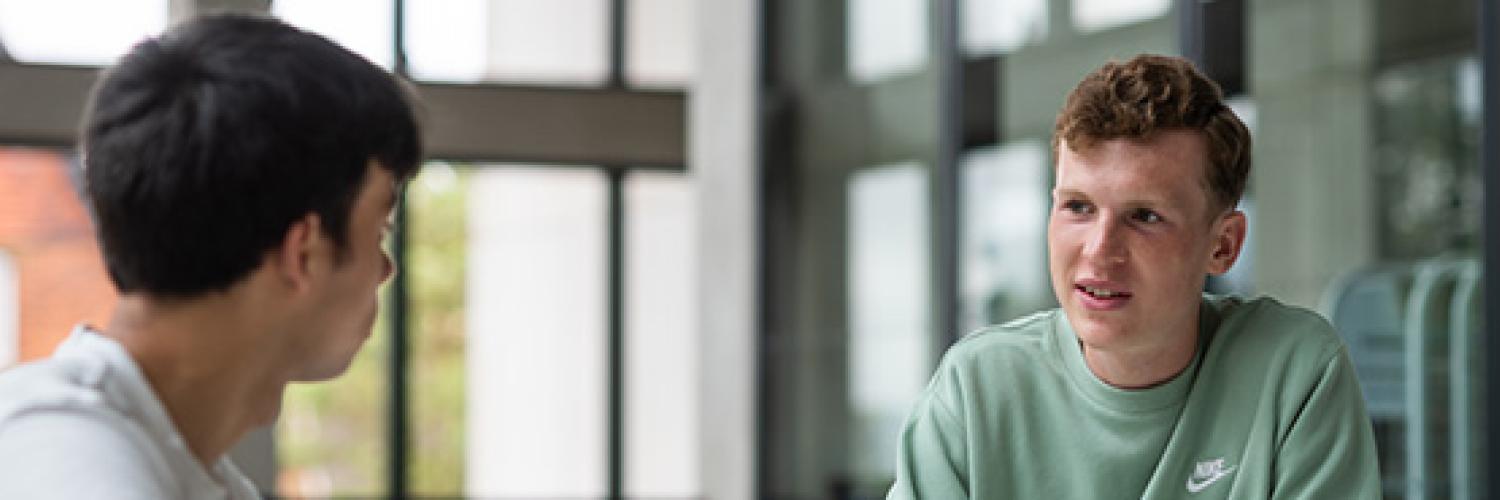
x,y
1105,243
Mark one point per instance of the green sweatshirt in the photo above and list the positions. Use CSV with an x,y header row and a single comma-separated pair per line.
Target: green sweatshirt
x,y
1268,408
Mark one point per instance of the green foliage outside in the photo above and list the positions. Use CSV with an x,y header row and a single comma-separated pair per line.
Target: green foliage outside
x,y
436,271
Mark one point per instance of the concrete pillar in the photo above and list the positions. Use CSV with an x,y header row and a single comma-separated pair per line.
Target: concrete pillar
x,y
723,160
1314,168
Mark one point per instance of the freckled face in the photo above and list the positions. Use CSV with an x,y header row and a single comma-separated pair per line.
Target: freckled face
x,y
1131,239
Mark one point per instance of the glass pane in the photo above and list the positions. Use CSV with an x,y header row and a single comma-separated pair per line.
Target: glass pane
x,y
447,40
1430,181
54,261
661,372
886,38
849,335
1429,188
557,41
659,49
513,41
81,32
365,27
332,437
437,279
1005,234
1002,25
10,308
1097,15
535,341
1374,185
890,342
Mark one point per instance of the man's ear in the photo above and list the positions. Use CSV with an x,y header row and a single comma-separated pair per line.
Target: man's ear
x,y
1228,240
295,259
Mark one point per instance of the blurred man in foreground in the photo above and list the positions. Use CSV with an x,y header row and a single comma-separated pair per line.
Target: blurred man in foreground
x,y
241,173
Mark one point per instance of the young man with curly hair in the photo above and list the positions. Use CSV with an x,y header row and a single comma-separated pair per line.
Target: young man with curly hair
x,y
1140,386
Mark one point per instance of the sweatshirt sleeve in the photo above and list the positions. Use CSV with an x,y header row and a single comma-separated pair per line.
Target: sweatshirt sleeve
x,y
1329,451
931,456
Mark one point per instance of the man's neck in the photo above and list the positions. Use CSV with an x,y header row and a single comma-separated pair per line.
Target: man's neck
x,y
201,359
1145,366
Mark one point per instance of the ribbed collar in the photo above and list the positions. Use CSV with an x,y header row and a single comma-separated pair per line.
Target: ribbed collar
x,y
1136,401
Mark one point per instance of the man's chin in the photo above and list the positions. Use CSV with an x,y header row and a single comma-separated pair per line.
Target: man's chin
x,y
324,373
1096,329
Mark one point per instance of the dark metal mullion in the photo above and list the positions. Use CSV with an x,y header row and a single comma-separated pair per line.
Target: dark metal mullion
x,y
397,420
1189,30
616,315
948,201
616,297
1489,161
396,465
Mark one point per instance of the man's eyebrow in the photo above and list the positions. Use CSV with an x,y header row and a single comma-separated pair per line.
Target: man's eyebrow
x,y
1134,202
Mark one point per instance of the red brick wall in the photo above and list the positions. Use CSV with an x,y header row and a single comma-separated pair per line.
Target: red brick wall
x,y
47,233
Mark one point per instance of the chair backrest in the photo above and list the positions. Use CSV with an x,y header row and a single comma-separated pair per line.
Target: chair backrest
x,y
1467,386
1367,308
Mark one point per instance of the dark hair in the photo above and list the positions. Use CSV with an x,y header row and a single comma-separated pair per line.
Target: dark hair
x,y
1150,93
202,146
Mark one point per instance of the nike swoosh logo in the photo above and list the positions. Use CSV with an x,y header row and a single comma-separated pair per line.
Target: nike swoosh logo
x,y
1197,486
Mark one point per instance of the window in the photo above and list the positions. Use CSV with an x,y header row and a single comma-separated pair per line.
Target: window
x,y
51,32
1005,210
446,40
886,38
889,356
362,26
661,371
536,334
1099,15
1002,25
507,273
659,49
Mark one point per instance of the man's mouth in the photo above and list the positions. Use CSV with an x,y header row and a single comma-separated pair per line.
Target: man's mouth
x,y
1101,292
1102,296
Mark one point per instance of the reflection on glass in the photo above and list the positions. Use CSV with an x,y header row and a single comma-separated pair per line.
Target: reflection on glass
x,y
659,51
1004,253
446,40
886,38
1412,323
889,309
1002,25
81,32
362,26
661,376
1098,15
1429,176
535,342
10,307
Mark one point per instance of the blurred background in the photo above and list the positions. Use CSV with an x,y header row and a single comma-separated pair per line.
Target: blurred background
x,y
713,249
